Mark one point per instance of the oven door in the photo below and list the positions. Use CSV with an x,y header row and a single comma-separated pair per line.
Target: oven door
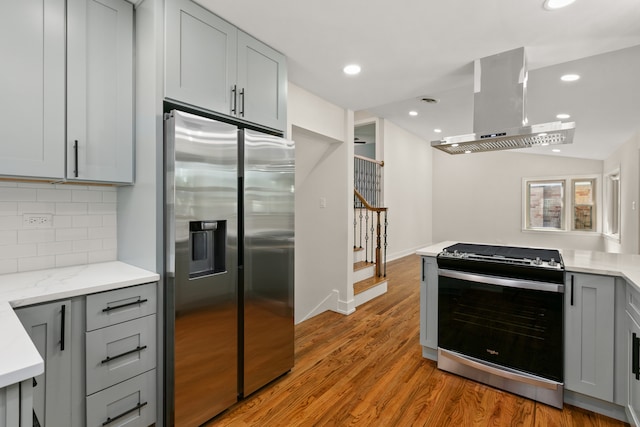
x,y
509,322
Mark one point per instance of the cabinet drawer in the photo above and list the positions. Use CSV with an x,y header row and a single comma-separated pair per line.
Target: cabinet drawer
x,y
117,306
131,403
120,352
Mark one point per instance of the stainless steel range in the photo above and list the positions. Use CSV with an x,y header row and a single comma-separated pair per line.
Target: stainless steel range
x,y
500,318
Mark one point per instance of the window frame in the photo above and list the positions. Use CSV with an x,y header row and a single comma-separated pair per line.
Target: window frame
x,y
612,176
594,213
568,204
527,204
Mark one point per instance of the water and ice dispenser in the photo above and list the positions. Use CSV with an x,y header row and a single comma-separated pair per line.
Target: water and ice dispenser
x,y
207,248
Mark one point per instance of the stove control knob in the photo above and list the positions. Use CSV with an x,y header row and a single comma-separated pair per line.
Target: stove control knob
x,y
552,262
456,253
537,261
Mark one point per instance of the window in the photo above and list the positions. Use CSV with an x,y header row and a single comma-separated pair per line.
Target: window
x,y
612,204
545,200
545,207
584,204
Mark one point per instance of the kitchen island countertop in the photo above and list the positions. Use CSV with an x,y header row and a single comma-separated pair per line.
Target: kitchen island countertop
x,y
19,359
578,261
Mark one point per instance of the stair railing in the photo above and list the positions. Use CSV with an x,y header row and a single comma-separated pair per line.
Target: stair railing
x,y
360,204
367,178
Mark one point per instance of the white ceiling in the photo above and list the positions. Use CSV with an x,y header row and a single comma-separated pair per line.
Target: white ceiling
x,y
414,48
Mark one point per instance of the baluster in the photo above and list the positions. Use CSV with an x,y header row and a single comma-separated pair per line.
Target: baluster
x,y
366,236
378,257
360,221
355,222
385,243
372,241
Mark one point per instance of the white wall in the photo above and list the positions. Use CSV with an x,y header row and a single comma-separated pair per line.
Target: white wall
x,y
478,198
407,190
627,158
141,205
324,170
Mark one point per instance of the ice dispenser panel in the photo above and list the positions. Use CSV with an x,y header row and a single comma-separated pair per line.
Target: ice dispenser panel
x,y
207,247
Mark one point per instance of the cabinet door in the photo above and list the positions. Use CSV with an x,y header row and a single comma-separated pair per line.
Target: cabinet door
x,y
100,90
633,367
262,83
429,302
589,334
49,327
200,59
32,87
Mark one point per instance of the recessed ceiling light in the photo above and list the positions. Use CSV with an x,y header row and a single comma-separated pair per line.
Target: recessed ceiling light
x,y
437,130
557,4
352,69
563,116
556,150
570,77
413,113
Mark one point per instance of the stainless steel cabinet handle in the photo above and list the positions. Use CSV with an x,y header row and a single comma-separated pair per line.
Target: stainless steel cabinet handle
x,y
234,99
135,408
135,350
62,325
115,307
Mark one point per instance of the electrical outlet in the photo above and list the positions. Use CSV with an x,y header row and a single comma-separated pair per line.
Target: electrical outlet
x,y
37,220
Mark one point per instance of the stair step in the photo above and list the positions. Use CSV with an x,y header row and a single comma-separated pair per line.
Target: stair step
x,y
361,265
366,284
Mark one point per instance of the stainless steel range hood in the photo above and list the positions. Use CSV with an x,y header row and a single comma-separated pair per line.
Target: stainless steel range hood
x,y
499,113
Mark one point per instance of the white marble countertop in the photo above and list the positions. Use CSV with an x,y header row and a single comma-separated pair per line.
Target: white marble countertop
x,y
19,359
578,261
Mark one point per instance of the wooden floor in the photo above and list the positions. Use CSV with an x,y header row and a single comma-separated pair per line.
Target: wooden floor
x,y
366,369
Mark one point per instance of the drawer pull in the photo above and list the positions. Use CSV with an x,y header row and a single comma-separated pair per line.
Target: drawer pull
x,y
135,350
135,408
115,307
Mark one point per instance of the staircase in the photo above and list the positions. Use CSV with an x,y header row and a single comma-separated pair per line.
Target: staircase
x,y
369,232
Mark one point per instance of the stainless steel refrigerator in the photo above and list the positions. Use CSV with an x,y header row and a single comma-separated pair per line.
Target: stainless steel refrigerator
x,y
229,244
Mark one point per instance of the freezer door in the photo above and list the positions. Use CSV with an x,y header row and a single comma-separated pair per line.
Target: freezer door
x,y
269,172
202,221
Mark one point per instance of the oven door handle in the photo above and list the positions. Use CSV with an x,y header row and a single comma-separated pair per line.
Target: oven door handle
x,y
502,281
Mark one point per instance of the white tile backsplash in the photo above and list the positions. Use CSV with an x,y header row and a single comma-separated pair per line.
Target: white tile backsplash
x,y
83,227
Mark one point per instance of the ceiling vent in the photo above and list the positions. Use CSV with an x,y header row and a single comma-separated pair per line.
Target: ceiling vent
x,y
499,110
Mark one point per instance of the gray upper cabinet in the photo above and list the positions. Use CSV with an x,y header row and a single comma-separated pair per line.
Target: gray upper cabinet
x,y
32,77
100,91
49,326
211,64
97,99
589,335
262,83
201,57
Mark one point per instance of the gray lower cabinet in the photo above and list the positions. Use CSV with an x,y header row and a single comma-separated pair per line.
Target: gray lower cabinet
x,y
429,305
16,405
633,378
589,335
121,357
632,349
49,326
211,64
